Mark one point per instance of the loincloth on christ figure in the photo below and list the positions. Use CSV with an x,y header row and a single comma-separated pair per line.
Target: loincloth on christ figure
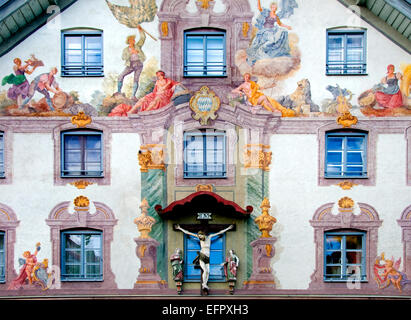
x,y
201,257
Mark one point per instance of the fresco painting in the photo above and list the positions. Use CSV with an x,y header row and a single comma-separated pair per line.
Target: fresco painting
x,y
138,85
254,96
273,54
158,98
19,98
386,273
271,57
390,97
34,273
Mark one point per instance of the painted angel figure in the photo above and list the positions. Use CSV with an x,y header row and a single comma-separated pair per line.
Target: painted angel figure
x,y
271,39
388,273
27,263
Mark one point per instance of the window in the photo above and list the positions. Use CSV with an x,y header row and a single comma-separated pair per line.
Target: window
x,y
204,154
345,256
204,54
2,175
82,53
346,155
192,247
346,52
82,154
81,256
2,257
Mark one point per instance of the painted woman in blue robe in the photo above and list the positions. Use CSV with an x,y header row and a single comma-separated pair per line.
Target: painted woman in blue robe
x,y
271,40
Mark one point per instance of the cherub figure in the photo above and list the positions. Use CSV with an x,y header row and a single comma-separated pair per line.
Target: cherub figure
x,y
390,273
26,272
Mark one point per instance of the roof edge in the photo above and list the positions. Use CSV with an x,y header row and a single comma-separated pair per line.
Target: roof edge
x,y
388,31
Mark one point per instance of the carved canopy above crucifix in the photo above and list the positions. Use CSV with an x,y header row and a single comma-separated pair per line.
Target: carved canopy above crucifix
x,y
203,202
203,205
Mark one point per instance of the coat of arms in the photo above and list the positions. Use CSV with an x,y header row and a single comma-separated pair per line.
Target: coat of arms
x,y
204,104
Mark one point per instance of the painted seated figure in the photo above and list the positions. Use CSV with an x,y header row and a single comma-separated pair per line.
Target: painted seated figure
x,y
252,91
388,93
165,91
160,97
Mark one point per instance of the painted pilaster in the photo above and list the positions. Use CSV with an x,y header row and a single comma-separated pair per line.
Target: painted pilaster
x,y
154,190
257,159
263,251
146,251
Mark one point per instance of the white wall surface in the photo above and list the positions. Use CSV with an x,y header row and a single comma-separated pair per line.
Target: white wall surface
x,y
33,195
295,196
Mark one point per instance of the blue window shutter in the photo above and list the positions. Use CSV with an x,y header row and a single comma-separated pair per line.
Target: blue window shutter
x,y
345,155
205,54
217,256
205,154
82,255
346,52
344,256
82,53
82,154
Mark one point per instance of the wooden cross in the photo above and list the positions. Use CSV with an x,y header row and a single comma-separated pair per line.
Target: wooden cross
x,y
207,228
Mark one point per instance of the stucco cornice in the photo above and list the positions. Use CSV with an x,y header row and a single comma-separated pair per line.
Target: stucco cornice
x,y
239,115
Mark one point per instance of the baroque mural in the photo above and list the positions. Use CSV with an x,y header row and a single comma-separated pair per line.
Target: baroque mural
x,y
139,85
272,56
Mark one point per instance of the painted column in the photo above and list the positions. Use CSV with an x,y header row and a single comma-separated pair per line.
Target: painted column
x,y
263,251
146,251
154,190
257,159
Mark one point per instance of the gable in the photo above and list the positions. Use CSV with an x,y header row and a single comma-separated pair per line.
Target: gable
x,y
390,17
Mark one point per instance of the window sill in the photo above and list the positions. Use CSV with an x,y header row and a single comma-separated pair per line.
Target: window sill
x,y
82,177
82,76
346,177
346,281
82,280
198,281
202,77
346,74
202,177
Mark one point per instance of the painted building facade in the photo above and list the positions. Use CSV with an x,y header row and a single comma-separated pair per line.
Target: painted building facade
x,y
285,126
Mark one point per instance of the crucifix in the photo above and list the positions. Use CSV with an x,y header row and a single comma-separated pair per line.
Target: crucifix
x,y
204,232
